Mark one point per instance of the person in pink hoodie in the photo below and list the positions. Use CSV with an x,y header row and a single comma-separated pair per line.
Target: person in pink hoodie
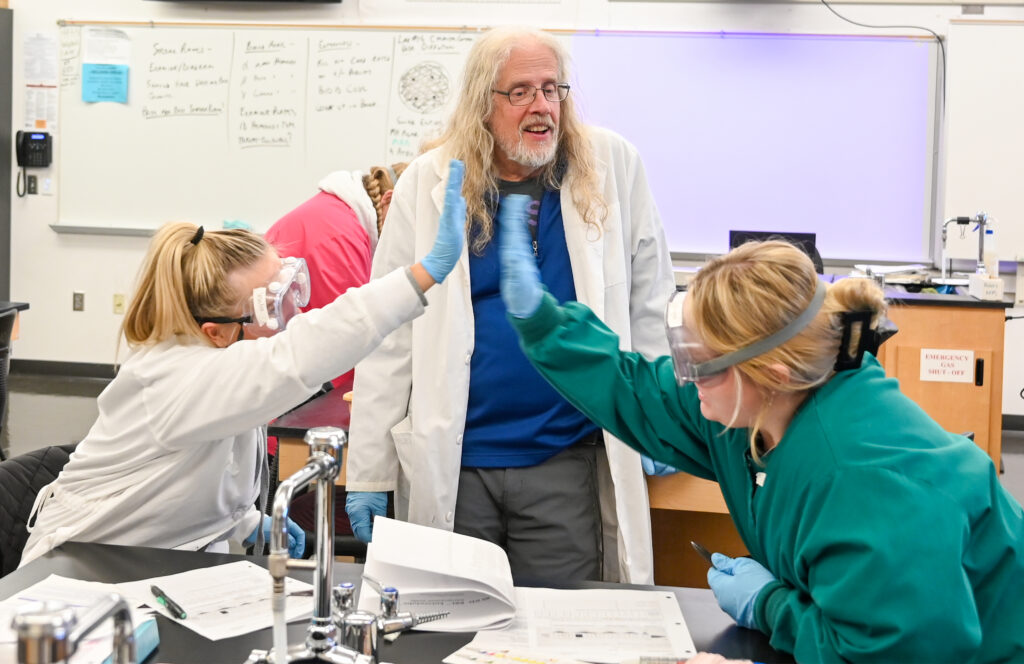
x,y
336,232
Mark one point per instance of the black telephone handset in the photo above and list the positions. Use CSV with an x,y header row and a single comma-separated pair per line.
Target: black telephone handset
x,y
34,149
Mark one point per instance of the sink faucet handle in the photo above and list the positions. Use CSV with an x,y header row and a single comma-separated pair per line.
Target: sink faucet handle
x,y
359,633
405,620
388,602
343,600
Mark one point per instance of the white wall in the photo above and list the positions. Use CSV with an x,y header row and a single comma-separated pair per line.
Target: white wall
x,y
1013,365
46,267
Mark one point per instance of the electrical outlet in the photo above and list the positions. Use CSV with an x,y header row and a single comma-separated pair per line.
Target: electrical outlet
x,y
32,184
118,303
78,301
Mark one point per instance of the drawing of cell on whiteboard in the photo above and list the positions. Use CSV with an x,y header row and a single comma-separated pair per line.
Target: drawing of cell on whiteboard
x,y
425,87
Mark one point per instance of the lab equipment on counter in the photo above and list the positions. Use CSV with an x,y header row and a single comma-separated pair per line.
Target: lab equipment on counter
x,y
982,220
985,286
985,283
337,632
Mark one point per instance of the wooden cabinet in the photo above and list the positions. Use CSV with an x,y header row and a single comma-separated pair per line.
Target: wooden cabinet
x,y
327,410
685,508
951,323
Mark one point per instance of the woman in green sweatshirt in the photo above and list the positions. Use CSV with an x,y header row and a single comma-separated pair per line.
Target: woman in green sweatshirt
x,y
874,534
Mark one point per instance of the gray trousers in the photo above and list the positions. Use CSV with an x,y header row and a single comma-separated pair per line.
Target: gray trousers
x,y
547,517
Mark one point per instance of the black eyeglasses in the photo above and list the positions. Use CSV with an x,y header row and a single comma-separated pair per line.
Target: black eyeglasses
x,y
241,320
244,320
521,95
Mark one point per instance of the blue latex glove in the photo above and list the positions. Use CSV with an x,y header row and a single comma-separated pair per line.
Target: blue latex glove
x,y
520,278
736,583
451,227
296,536
361,507
652,467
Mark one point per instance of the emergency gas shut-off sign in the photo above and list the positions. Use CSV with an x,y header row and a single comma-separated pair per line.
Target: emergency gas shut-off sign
x,y
947,366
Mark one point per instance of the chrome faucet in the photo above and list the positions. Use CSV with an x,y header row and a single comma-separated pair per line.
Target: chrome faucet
x,y
336,633
361,630
982,220
51,633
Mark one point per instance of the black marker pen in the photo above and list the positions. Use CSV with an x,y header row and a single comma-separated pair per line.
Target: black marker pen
x,y
704,553
171,605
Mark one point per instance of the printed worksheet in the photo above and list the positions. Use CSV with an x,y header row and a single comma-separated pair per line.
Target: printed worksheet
x,y
223,601
604,626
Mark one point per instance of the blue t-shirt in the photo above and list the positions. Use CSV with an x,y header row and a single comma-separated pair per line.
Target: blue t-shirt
x,y
514,417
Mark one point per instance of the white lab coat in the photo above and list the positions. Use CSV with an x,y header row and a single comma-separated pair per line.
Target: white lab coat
x,y
406,433
173,460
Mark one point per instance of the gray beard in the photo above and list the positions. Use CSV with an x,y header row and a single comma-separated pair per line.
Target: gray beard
x,y
522,155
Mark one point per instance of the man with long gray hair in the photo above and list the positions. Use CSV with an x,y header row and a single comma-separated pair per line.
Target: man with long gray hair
x,y
448,412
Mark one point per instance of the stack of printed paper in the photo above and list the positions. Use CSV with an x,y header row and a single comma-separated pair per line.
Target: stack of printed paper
x,y
435,570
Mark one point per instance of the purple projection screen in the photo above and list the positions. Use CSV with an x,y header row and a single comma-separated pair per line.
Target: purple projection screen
x,y
830,135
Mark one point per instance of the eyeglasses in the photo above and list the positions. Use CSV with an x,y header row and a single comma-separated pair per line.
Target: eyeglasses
x,y
522,95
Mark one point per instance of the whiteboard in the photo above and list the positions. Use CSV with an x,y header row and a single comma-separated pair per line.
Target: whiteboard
x,y
802,133
985,134
241,124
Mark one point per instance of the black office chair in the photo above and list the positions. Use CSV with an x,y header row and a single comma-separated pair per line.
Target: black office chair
x,y
6,330
21,479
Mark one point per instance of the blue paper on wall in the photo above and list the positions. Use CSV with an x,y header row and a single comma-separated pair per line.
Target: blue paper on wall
x,y
102,82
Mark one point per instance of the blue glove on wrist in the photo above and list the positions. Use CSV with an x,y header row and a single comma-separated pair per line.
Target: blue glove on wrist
x,y
652,467
451,227
361,507
737,583
296,536
520,278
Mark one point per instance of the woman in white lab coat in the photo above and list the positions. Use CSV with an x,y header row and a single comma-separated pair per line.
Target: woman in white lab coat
x,y
177,455
407,434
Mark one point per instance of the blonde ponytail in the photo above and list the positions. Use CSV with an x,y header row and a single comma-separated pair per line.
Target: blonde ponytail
x,y
181,279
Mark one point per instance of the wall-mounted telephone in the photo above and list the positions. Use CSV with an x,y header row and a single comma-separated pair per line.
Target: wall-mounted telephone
x,y
34,149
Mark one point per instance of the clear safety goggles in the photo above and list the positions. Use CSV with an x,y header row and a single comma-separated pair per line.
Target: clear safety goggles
x,y
693,362
271,307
